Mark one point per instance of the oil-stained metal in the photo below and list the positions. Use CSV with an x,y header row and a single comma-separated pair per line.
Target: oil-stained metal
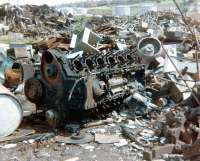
x,y
83,82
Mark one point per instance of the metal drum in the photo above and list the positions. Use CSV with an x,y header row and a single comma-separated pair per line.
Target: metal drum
x,y
11,113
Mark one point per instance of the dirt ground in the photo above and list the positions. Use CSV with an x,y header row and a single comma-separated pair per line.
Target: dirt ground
x,y
57,152
52,150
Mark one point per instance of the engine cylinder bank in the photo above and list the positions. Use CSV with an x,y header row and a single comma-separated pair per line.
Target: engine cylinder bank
x,y
83,83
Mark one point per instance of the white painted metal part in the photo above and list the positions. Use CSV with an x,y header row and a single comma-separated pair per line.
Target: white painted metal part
x,y
10,112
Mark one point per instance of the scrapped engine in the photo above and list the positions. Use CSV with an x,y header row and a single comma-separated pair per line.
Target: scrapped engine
x,y
84,82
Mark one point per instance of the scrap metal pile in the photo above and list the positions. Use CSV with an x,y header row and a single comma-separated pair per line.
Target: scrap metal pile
x,y
155,23
32,20
83,80
101,72
150,66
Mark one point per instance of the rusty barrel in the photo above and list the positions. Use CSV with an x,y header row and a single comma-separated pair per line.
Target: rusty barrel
x,y
11,113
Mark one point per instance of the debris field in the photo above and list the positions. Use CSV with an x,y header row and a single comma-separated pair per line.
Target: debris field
x,y
120,89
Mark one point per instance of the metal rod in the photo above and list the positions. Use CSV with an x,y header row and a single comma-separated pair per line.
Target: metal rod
x,y
197,61
197,57
183,17
193,33
184,20
192,92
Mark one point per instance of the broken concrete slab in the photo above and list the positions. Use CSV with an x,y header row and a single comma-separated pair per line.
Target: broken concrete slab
x,y
107,138
76,139
158,151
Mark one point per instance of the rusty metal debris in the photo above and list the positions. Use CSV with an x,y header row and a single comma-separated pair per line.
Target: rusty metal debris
x,y
147,65
89,80
32,20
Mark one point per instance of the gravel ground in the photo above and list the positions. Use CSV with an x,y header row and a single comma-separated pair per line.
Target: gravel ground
x,y
56,148
57,152
50,150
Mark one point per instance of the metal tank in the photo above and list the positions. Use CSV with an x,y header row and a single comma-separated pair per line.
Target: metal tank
x,y
10,112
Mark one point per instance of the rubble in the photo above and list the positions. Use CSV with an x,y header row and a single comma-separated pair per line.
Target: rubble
x,y
32,20
147,70
17,135
106,139
82,138
62,43
73,159
8,146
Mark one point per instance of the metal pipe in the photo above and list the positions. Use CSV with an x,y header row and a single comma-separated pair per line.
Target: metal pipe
x,y
183,17
197,61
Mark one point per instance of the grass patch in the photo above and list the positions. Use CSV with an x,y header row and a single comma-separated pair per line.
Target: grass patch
x,y
17,39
